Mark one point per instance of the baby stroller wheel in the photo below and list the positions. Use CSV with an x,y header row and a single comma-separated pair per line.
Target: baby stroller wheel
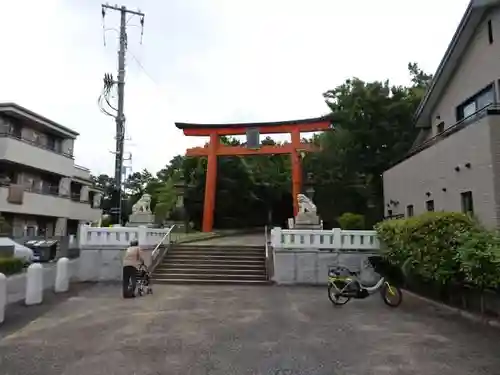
x,y
140,291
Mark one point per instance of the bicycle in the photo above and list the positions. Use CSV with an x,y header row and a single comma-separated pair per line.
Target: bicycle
x,y
344,285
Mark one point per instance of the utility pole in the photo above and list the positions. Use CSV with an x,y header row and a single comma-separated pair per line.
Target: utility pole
x,y
116,213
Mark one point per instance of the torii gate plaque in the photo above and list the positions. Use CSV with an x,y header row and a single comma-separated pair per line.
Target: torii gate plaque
x,y
214,149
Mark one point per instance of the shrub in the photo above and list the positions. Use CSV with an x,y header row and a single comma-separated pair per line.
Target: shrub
x,y
428,244
479,258
10,266
351,221
5,228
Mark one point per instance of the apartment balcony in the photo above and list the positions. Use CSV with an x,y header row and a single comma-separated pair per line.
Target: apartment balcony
x,y
21,151
475,118
83,211
15,199
45,202
81,172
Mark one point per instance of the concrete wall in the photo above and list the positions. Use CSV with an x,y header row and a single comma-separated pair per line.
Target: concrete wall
x,y
99,264
433,170
310,267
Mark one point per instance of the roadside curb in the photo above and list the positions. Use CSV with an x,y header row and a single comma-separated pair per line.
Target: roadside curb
x,y
464,314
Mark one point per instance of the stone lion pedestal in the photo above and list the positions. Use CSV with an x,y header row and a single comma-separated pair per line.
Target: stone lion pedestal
x,y
141,213
306,218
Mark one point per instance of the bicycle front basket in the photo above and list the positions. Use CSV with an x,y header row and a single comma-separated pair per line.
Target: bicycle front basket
x,y
338,271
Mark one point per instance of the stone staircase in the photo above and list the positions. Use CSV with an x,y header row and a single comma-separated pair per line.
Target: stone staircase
x,y
212,264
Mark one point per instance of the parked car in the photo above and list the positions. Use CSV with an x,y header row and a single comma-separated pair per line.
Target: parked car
x,y
20,251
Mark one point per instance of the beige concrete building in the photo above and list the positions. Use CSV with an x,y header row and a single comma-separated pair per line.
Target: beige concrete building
x,y
455,162
42,190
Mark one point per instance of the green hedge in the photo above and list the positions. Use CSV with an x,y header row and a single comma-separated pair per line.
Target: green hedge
x,y
351,221
443,247
10,266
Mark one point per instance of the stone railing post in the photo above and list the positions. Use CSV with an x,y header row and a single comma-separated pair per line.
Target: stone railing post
x,y
62,276
337,238
276,237
142,236
34,284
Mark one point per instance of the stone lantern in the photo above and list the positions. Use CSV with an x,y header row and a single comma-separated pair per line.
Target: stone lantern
x,y
309,186
181,188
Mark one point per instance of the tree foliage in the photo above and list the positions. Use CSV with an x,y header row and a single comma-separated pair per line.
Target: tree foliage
x,y
373,127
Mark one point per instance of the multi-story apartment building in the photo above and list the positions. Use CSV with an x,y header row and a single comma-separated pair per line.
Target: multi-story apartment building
x,y
42,190
455,162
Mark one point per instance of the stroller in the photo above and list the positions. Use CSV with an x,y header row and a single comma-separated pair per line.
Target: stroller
x,y
143,281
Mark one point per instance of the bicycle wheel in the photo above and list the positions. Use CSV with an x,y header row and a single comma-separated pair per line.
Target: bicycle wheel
x,y
335,298
391,295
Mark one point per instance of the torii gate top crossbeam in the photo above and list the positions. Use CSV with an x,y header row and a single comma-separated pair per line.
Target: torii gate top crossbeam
x,y
303,126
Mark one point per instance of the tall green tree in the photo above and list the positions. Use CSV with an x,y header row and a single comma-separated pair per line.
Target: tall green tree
x,y
373,128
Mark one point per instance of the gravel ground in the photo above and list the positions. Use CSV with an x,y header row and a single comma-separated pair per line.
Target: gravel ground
x,y
232,330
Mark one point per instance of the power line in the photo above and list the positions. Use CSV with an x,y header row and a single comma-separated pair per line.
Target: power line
x,y
144,69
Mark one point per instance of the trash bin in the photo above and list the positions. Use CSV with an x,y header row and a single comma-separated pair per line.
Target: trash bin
x,y
43,250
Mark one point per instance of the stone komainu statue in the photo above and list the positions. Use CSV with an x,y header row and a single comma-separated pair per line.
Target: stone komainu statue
x,y
143,204
305,204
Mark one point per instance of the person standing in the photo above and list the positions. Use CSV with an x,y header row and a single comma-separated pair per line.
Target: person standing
x,y
132,259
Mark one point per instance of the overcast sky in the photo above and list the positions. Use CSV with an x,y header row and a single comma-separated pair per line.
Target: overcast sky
x,y
207,61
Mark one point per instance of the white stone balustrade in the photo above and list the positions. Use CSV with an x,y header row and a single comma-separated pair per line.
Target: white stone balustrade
x,y
337,239
120,236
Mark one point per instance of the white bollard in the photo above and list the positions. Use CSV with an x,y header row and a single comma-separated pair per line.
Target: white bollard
x,y
3,296
62,276
34,284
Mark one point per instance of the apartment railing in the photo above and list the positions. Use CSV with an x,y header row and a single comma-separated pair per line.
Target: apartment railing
x,y
52,190
44,189
9,134
82,168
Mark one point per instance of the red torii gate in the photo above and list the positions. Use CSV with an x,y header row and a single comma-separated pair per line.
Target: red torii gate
x,y
214,149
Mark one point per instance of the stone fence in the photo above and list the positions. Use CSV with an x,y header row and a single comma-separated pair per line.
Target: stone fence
x,y
101,249
118,236
303,256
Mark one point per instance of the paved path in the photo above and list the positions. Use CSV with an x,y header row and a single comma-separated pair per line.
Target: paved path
x,y
257,239
233,330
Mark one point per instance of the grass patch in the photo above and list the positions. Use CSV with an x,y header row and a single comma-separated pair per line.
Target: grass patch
x,y
11,266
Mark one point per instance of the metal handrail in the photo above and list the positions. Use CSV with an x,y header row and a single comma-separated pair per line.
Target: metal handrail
x,y
155,254
267,241
269,256
161,241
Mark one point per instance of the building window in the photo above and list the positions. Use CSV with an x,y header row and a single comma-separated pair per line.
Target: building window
x,y
440,127
490,32
409,210
467,202
430,205
479,101
16,130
